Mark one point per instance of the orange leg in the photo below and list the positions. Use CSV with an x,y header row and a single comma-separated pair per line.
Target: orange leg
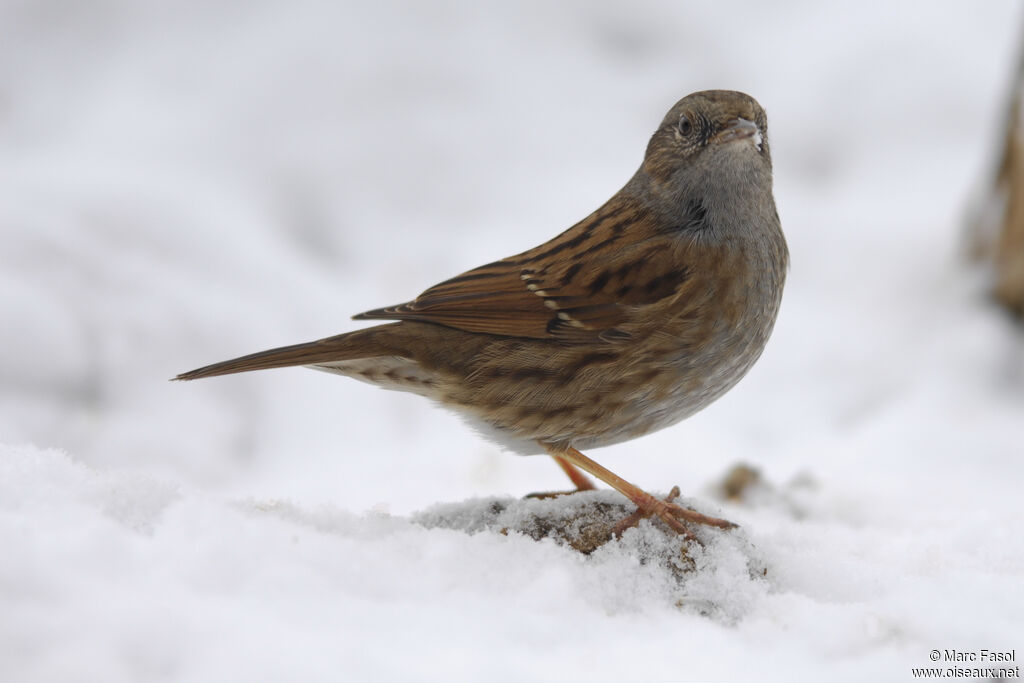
x,y
579,480
647,505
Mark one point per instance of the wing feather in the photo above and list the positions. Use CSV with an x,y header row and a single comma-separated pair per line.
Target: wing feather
x,y
584,283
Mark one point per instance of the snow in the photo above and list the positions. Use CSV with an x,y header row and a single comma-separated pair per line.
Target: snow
x,y
186,183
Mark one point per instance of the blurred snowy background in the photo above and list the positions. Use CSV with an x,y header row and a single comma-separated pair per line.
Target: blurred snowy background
x,y
185,182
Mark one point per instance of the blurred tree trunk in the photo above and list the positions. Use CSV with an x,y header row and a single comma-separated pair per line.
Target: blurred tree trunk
x,y
998,232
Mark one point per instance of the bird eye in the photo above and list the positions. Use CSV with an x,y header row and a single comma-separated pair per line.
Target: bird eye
x,y
685,125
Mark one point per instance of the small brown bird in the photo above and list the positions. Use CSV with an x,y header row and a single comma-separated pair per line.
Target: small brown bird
x,y
636,317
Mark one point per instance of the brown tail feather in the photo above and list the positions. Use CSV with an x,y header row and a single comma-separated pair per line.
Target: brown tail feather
x,y
342,347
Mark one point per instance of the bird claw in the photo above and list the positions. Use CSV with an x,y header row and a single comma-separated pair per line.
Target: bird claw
x,y
548,495
671,514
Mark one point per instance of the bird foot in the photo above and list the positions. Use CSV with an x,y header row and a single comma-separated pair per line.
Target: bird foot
x,y
547,495
670,513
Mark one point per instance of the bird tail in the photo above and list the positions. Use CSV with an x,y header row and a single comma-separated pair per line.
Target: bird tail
x,y
359,344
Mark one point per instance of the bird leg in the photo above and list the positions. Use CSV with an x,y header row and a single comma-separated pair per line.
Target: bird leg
x,y
580,480
647,505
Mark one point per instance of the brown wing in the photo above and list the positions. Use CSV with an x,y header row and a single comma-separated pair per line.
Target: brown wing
x,y
583,283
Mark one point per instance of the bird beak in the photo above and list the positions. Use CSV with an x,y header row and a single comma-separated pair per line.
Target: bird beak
x,y
740,129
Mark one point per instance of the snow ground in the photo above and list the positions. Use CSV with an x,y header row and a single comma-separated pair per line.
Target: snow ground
x,y
183,184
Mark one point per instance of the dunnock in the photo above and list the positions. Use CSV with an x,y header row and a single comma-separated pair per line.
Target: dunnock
x,y
636,317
